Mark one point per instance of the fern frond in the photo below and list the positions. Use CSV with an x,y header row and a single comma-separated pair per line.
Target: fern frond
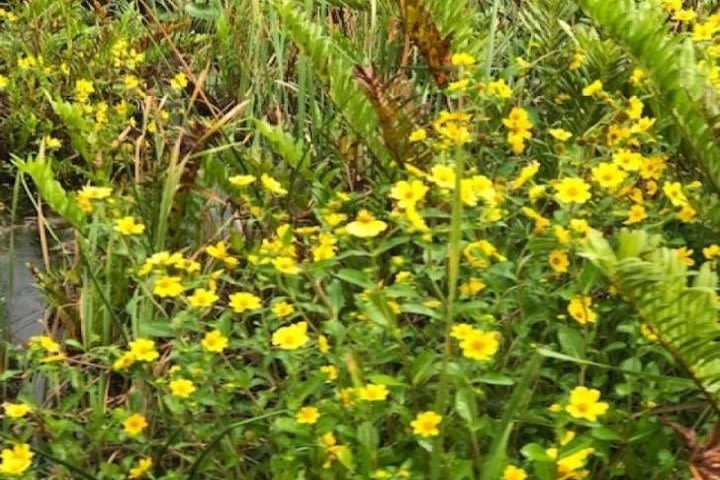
x,y
336,73
679,306
683,88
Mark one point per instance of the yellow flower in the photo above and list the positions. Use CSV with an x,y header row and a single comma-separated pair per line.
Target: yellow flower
x,y
569,467
684,15
558,261
44,342
526,173
472,287
458,86
480,345
512,472
462,59
286,265
3,82
373,392
686,214
16,410
166,286
627,160
461,331
365,225
499,88
202,298
593,89
125,361
584,404
283,309
330,371
579,309
219,251
51,142
408,193
580,225
241,180
272,185
83,89
572,190
291,337
635,108
426,424
608,175
16,460
307,415
577,60
244,301
685,256
443,176
323,344
135,424
636,214
560,134
637,76
712,252
647,332
178,82
143,350
182,387
214,341
127,226
417,135
674,192
141,468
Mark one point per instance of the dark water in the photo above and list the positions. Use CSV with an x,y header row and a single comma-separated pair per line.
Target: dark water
x,y
22,304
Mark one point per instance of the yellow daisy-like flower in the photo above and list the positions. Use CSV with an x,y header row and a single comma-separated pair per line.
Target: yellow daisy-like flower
x,y
182,387
426,424
244,301
373,392
462,59
241,180
272,185
572,190
143,350
417,135
142,467
512,472
480,345
595,88
584,403
291,337
128,226
408,194
214,341
44,342
636,214
135,424
16,410
330,371
558,261
609,176
307,415
365,225
168,287
178,82
283,309
202,298
579,309
16,460
443,176
286,265
560,134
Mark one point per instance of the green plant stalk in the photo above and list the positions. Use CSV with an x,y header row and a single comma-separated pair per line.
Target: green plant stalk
x,y
453,267
491,41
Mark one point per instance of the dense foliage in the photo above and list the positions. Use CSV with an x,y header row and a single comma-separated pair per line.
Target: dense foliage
x,y
356,239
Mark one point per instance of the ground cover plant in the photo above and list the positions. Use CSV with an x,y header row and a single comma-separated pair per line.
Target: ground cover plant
x,y
368,240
